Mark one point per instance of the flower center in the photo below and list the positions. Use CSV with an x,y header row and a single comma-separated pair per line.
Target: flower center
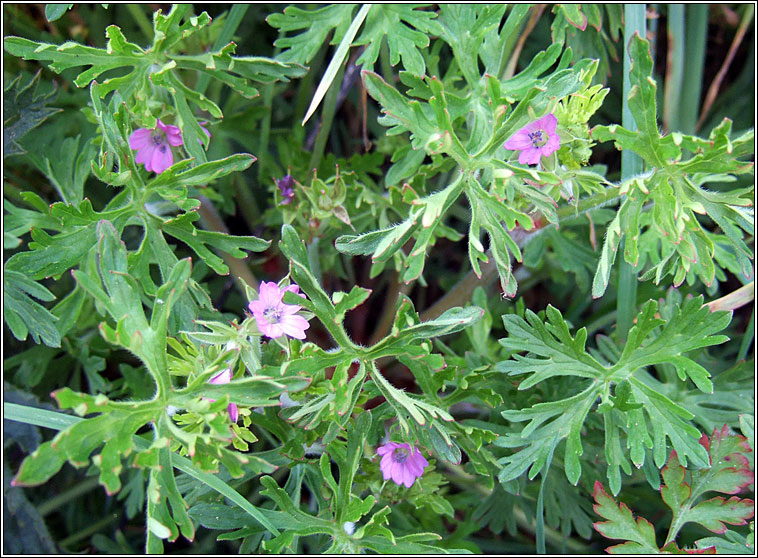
x,y
158,138
400,455
273,315
538,138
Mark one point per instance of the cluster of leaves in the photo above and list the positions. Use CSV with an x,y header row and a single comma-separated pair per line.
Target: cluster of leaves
x,y
730,469
671,236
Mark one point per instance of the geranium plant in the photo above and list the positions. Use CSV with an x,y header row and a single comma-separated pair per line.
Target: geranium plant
x,y
250,295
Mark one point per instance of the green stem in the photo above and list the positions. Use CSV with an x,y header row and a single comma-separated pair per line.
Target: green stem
x,y
327,117
53,504
265,126
631,165
246,202
696,34
135,10
394,289
91,530
673,92
231,24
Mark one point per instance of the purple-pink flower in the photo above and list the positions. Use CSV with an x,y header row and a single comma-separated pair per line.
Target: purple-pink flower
x,y
224,377
154,146
534,140
287,188
274,318
400,463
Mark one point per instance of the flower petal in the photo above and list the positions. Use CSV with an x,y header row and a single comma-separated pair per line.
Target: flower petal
x,y
295,326
144,155
553,143
269,294
530,156
518,141
139,138
162,158
223,377
547,123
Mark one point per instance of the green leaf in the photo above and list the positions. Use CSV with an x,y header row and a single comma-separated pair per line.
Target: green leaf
x,y
552,352
23,315
407,327
24,108
316,24
670,233
621,524
198,240
68,168
72,54
406,29
54,12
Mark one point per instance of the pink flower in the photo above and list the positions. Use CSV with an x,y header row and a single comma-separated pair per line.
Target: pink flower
x,y
274,318
154,146
401,464
534,140
224,377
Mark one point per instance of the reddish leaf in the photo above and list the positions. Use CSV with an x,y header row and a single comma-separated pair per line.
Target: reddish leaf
x,y
622,525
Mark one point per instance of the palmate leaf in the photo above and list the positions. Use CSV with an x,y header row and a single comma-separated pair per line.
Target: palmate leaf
x,y
728,472
552,352
673,187
621,524
405,27
23,314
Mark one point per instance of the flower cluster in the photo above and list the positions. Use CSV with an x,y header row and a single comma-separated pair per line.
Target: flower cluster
x,y
154,146
401,463
535,140
273,317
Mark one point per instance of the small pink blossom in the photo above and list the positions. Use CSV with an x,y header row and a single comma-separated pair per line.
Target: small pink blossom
x,y
274,318
224,377
154,146
535,140
400,463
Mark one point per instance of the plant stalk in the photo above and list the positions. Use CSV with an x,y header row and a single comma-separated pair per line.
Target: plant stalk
x,y
631,165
